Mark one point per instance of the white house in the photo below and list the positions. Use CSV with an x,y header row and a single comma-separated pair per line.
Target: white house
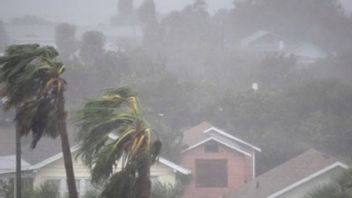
x,y
45,163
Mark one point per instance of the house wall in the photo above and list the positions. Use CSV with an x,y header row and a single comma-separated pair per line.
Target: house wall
x,y
321,180
56,170
163,174
239,171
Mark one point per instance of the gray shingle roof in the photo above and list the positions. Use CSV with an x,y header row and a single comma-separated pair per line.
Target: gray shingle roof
x,y
283,175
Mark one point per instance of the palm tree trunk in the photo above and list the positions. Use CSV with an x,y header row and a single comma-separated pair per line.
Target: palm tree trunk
x,y
71,183
18,163
144,184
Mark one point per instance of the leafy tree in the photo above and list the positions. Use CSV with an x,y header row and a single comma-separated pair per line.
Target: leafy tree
x,y
92,47
122,162
92,193
146,12
125,15
32,84
7,188
192,21
125,8
65,39
160,190
45,190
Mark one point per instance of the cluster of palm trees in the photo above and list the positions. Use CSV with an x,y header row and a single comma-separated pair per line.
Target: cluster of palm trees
x,y
115,141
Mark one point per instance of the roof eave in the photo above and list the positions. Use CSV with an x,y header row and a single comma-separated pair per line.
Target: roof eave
x,y
219,141
232,137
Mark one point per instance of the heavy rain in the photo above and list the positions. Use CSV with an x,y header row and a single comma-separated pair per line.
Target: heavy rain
x,y
176,98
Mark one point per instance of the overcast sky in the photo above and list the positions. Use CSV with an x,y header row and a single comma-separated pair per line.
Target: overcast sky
x,y
91,11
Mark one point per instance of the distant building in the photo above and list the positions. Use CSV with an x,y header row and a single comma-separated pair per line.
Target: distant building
x,y
117,37
219,161
263,42
308,53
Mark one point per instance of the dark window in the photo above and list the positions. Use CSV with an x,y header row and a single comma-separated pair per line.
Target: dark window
x,y
211,147
211,173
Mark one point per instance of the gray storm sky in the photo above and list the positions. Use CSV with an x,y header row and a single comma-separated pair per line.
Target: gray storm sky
x,y
85,11
92,11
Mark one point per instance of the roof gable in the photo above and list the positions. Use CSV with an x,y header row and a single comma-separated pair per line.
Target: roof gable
x,y
219,141
259,35
205,132
223,133
195,134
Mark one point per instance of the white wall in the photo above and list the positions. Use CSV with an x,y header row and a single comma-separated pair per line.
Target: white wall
x,y
56,170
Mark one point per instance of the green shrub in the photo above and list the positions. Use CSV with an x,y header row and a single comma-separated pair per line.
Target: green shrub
x,y
160,190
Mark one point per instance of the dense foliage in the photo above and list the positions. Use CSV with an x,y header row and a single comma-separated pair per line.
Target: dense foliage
x,y
160,190
30,79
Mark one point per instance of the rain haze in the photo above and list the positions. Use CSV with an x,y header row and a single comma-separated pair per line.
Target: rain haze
x,y
175,98
87,12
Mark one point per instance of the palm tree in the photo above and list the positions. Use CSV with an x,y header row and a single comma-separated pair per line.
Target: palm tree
x,y
31,83
116,144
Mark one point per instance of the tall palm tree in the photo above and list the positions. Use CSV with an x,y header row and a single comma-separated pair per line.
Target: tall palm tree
x,y
31,83
116,144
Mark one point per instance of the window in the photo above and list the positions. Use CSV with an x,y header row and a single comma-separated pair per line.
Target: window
x,y
211,147
211,173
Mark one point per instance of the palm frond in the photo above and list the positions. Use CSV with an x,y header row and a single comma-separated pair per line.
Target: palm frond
x,y
23,70
125,160
121,184
25,73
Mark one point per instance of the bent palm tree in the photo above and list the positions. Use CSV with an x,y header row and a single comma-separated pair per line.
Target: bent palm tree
x,y
31,83
116,144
